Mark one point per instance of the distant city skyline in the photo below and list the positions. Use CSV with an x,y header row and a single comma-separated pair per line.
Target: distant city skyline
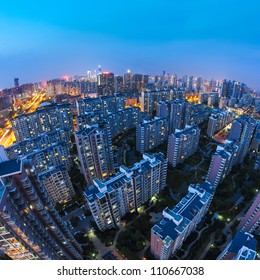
x,y
216,39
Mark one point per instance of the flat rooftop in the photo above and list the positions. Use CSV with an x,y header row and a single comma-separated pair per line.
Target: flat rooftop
x,y
10,167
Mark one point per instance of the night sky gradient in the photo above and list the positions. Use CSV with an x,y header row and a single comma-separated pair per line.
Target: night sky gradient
x,y
41,40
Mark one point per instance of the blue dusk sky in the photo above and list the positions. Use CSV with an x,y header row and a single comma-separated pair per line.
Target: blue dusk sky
x,y
41,40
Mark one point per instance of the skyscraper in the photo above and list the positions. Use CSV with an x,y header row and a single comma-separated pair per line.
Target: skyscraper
x,y
128,79
30,227
16,82
106,83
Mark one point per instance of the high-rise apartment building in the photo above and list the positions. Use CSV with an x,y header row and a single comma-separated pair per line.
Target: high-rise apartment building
x,y
146,100
251,221
241,247
151,134
242,130
30,227
106,83
218,120
56,181
178,114
222,162
44,120
94,145
182,144
34,144
109,200
168,235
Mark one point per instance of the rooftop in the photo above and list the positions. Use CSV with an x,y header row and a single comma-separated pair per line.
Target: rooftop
x,y
10,167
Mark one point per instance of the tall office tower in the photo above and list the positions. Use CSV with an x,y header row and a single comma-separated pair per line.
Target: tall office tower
x,y
162,109
109,200
56,181
175,81
16,82
178,114
185,81
241,247
119,83
251,221
227,89
244,89
146,100
218,120
199,84
30,227
242,130
94,145
128,79
151,134
222,162
35,144
120,101
167,236
106,83
191,80
182,144
43,120
137,82
145,80
236,90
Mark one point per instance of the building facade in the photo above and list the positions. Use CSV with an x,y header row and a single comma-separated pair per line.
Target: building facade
x,y
30,227
151,134
168,235
182,144
109,200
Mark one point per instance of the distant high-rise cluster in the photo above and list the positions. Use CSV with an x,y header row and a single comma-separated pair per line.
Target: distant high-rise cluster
x,y
90,126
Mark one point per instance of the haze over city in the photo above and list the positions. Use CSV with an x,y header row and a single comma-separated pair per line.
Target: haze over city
x,y
213,39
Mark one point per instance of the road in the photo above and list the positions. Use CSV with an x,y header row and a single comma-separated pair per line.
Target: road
x,y
8,137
